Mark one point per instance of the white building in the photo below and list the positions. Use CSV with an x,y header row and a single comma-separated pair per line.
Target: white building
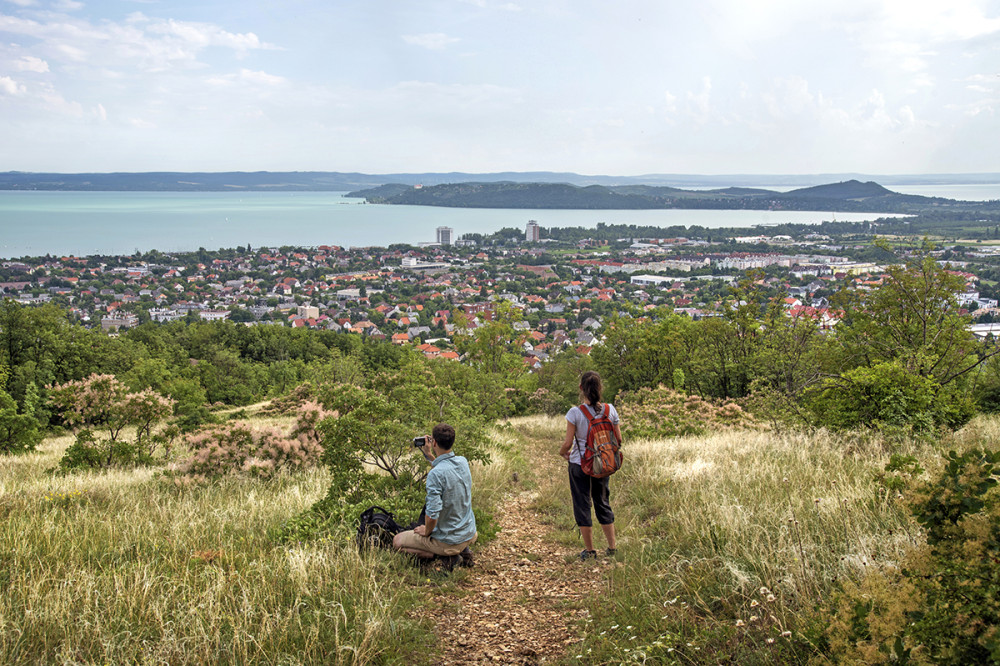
x,y
532,232
444,235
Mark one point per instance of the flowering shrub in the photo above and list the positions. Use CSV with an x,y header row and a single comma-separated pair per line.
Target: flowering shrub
x,y
104,404
544,401
238,448
664,412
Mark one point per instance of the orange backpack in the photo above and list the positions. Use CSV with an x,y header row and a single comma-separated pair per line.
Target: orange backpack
x,y
603,455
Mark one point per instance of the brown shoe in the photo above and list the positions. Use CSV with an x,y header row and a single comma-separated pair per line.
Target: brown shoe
x,y
467,559
449,562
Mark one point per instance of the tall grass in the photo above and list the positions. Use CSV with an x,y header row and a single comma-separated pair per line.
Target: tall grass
x,y
122,567
729,542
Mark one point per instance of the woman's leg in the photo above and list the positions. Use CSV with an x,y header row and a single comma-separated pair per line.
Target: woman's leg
x,y
609,535
601,492
579,486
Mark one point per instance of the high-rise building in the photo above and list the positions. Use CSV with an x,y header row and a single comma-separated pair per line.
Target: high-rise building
x,y
532,232
444,235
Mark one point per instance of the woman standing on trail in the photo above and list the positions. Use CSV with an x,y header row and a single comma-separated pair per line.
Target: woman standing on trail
x,y
586,489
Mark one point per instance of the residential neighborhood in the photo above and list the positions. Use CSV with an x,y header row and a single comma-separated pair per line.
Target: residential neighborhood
x,y
426,296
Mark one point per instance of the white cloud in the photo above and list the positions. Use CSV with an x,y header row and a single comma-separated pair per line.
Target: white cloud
x,y
101,112
140,123
505,6
9,86
255,78
31,64
67,5
261,78
701,101
435,41
22,3
150,44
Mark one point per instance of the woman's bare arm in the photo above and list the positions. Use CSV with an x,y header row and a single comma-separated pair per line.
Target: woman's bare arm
x,y
568,443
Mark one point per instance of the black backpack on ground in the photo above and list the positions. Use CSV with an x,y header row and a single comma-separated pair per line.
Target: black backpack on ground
x,y
377,527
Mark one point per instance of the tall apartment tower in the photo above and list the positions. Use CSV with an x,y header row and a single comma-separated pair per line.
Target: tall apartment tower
x,y
533,232
444,235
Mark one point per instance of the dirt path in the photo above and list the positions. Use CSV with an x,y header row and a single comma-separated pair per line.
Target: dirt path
x,y
522,600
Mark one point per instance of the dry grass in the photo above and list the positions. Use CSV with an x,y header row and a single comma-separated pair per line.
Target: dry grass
x,y
121,567
705,522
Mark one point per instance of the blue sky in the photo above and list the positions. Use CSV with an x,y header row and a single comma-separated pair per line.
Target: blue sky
x,y
624,88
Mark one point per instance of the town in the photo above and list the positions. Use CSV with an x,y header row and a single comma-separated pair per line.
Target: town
x,y
427,295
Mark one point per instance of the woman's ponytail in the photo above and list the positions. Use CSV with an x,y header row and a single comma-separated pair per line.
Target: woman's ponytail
x,y
591,388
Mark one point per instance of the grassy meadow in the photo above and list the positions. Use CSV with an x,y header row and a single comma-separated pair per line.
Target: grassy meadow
x,y
729,544
125,567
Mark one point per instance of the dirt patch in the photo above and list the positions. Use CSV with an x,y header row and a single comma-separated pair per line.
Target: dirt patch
x,y
521,602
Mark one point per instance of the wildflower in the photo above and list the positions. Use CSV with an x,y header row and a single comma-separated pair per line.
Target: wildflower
x,y
786,634
770,640
771,597
754,604
764,590
740,623
754,618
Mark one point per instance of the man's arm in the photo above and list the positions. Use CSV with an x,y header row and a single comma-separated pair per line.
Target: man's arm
x,y
433,505
427,528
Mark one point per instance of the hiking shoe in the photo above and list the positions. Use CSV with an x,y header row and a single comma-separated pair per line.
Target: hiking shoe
x,y
611,552
449,562
467,559
588,554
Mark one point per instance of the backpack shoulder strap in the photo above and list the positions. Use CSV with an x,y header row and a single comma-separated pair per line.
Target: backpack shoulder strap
x,y
584,409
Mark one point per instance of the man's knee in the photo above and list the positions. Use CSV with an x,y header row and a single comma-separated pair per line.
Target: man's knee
x,y
397,541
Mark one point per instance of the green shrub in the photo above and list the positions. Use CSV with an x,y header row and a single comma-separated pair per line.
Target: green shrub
x,y
942,605
887,395
19,433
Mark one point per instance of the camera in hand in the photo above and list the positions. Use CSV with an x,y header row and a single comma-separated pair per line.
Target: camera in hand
x,y
419,441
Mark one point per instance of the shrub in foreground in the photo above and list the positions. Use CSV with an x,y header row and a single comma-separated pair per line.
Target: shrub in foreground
x,y
942,605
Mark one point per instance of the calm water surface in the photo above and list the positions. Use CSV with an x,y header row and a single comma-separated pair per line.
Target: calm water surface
x,y
82,223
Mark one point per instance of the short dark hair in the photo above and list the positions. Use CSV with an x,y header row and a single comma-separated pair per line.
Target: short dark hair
x,y
444,435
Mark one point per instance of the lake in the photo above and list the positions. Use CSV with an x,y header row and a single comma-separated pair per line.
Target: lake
x,y
82,223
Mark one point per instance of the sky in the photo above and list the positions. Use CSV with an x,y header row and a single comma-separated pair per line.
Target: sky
x,y
624,88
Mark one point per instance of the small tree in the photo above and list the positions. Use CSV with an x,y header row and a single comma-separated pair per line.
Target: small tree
x,y
102,403
376,425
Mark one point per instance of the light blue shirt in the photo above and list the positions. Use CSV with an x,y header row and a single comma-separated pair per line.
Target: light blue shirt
x,y
449,499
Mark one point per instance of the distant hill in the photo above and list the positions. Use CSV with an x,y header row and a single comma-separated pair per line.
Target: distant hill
x,y
852,189
847,196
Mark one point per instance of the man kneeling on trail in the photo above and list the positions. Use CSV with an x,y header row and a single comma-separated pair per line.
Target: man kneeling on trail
x,y
450,526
